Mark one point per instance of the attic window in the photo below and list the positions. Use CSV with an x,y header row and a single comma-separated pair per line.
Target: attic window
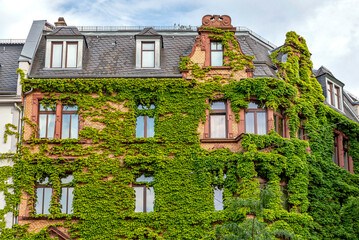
x,y
334,95
64,54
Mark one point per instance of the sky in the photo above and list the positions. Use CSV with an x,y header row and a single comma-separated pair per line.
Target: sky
x,y
330,27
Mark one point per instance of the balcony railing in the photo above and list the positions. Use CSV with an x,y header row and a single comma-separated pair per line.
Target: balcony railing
x,y
12,41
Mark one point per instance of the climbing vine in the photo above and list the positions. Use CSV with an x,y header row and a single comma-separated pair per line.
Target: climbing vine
x,y
107,157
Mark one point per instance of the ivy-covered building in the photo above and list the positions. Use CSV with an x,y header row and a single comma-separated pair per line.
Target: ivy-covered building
x,y
149,133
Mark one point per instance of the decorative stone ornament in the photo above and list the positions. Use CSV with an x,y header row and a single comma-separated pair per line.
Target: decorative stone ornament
x,y
217,21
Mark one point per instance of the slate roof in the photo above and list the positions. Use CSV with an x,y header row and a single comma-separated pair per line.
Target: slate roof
x,y
114,55
9,56
65,31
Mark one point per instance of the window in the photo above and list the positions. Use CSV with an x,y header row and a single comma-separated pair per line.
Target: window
x,y
341,155
256,119
279,124
218,119
301,134
345,154
284,197
44,193
47,115
145,124
56,54
63,54
71,55
147,54
335,153
216,54
43,197
145,195
334,95
67,195
70,122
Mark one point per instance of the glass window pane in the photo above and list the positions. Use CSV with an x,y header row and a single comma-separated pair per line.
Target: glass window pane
x,y
218,126
67,179
56,55
216,46
148,46
74,125
70,108
42,125
150,199
148,59
47,200
217,58
39,199
218,199
150,127
65,126
70,200
249,122
63,200
71,60
139,199
218,106
261,123
51,126
140,126
143,178
252,105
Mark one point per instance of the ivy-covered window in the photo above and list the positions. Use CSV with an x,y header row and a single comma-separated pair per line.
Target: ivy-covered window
x,y
301,134
218,119
336,150
256,119
218,198
284,197
145,195
216,54
67,195
47,115
279,123
346,154
43,197
145,122
70,122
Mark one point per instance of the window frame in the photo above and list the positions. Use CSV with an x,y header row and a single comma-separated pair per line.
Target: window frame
x,y
73,112
154,53
67,52
256,111
211,50
68,209
334,95
47,113
144,187
220,112
43,187
143,112
52,52
278,119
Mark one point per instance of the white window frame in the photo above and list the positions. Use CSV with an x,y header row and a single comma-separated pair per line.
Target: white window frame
x,y
139,42
328,98
48,55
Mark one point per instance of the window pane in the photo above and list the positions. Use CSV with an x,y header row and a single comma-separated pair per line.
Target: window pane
x,y
65,126
71,60
139,199
67,179
39,199
42,125
218,126
56,55
261,123
218,199
140,126
252,105
63,200
217,58
51,126
70,108
148,59
250,122
143,178
218,106
148,46
74,126
47,200
346,160
216,46
150,199
70,200
150,127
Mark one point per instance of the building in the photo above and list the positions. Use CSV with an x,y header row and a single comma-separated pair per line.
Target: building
x,y
10,102
145,133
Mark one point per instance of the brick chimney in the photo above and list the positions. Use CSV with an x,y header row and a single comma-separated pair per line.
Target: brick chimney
x,y
61,22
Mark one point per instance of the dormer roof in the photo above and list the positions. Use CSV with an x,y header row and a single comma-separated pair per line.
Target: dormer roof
x,y
148,31
65,31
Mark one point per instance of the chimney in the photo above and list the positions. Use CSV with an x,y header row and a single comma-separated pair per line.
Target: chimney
x,y
61,22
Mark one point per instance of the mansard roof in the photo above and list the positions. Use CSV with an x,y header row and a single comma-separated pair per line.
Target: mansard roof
x,y
9,56
113,54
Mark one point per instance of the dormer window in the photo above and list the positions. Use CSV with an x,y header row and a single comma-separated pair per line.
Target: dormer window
x,y
216,54
148,49
334,95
